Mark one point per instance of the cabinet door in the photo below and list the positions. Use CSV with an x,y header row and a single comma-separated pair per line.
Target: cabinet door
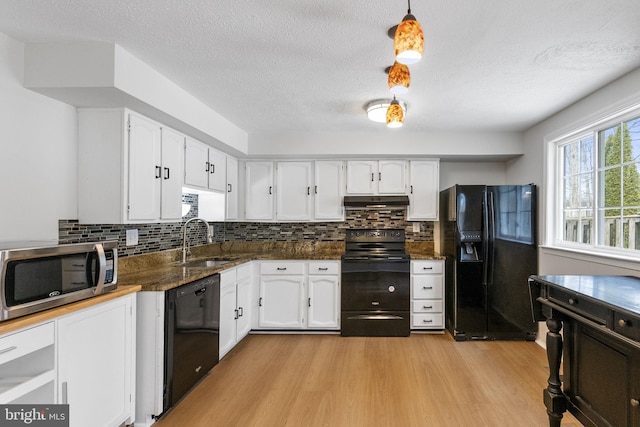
x,y
196,164
329,190
145,169
95,363
243,298
392,177
281,302
228,316
361,177
232,189
323,302
293,196
172,173
259,190
217,170
424,190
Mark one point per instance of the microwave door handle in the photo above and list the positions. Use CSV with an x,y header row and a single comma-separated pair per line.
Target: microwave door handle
x,y
102,268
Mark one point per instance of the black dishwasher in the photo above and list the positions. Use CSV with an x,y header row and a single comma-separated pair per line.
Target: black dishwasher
x,y
192,328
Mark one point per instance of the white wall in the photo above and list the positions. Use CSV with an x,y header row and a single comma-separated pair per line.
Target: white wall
x,y
488,173
532,168
38,173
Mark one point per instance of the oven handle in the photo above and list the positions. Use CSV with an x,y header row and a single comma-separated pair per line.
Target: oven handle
x,y
375,317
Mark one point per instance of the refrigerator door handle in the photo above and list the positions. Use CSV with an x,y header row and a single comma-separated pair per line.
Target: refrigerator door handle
x,y
489,239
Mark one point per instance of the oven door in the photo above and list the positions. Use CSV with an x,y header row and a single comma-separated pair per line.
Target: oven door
x,y
375,285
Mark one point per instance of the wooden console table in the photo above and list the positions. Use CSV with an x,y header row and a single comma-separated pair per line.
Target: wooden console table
x,y
600,352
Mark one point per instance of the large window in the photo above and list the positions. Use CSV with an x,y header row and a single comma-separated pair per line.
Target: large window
x,y
600,187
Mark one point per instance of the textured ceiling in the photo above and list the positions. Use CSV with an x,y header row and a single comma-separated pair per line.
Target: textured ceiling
x,y
305,66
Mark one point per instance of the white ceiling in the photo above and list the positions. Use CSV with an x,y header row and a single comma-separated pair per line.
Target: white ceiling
x,y
308,65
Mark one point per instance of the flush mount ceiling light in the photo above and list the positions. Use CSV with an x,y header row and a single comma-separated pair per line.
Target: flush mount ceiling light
x,y
395,114
408,39
399,78
377,109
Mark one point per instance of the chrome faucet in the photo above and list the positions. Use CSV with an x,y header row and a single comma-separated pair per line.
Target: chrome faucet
x,y
184,236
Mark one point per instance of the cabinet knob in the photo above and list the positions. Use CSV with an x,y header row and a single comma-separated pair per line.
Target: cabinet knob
x,y
635,403
573,301
623,322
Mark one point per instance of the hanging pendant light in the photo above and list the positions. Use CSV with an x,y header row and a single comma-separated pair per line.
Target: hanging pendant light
x,y
399,78
395,115
408,41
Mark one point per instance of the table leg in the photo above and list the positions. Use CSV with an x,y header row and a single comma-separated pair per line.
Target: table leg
x,y
554,398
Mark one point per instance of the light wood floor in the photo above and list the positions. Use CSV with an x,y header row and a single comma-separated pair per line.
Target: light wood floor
x,y
328,380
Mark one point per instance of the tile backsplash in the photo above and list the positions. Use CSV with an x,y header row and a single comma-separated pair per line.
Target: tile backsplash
x,y
153,237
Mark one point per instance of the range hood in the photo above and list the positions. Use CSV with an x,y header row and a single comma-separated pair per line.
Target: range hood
x,y
375,202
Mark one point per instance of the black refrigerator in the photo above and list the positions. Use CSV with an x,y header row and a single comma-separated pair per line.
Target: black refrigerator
x,y
488,235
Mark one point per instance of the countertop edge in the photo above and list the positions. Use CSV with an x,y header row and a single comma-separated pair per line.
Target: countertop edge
x,y
30,320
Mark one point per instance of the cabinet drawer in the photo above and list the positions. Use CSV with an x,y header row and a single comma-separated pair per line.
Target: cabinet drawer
x,y
427,306
25,342
427,320
426,267
427,286
319,267
626,325
244,271
282,268
580,304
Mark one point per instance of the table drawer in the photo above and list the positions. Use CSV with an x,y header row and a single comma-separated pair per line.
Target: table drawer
x,y
579,304
426,267
427,320
427,286
427,306
286,267
324,267
626,325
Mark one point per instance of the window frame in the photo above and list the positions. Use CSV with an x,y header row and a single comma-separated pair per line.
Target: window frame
x,y
554,235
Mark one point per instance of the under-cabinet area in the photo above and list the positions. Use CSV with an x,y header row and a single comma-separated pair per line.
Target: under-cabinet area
x,y
82,354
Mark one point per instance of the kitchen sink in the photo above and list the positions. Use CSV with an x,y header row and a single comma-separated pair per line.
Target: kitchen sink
x,y
206,263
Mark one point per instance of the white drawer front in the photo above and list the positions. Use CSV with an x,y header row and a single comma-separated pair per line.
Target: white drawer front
x,y
324,267
427,267
21,343
427,286
427,321
244,271
427,306
228,277
286,267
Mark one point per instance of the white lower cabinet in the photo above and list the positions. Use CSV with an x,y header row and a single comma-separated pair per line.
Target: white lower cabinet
x,y
27,366
292,295
96,363
235,306
427,294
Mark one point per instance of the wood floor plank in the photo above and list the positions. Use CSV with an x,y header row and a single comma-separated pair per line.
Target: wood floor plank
x,y
328,380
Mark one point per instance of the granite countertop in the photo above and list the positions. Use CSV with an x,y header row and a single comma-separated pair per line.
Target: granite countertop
x,y
162,271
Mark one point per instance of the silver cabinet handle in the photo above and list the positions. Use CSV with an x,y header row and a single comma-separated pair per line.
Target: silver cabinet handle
x,y
235,314
65,394
8,349
240,312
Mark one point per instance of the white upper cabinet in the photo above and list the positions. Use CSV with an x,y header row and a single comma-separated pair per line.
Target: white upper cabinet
x,y
376,177
259,190
130,167
232,189
172,167
328,190
205,167
392,177
423,190
293,191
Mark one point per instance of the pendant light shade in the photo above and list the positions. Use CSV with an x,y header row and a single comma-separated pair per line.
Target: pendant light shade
x,y
395,115
399,79
408,42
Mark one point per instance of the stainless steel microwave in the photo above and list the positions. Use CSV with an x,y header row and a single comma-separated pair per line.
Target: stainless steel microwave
x,y
38,277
